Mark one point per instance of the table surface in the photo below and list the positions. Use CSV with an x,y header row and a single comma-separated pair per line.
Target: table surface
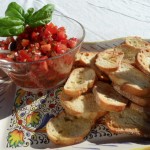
x,y
102,19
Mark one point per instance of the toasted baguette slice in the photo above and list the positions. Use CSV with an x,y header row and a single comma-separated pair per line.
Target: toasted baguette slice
x,y
82,106
131,80
107,98
143,61
84,58
139,108
129,53
128,121
79,81
67,130
142,101
100,74
137,42
109,60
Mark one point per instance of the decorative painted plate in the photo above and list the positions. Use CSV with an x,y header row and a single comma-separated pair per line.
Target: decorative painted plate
x,y
23,116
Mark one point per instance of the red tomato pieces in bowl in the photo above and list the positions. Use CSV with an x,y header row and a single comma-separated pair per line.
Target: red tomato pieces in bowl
x,y
34,43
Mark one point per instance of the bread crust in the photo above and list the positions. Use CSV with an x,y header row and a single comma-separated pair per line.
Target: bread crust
x,y
127,121
79,81
108,99
139,108
142,101
109,60
131,80
135,90
143,61
129,53
124,103
64,129
82,106
84,59
137,42
100,74
87,59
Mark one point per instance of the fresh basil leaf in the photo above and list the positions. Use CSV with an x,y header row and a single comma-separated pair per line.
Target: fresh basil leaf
x,y
30,11
10,21
42,16
10,26
15,21
40,22
15,10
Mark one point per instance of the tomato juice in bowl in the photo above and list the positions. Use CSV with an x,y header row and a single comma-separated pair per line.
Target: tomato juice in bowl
x,y
33,71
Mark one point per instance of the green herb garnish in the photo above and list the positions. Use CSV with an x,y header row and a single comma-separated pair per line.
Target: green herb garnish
x,y
16,19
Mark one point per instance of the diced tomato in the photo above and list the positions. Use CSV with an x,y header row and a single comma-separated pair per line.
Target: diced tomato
x,y
35,79
64,41
68,59
9,59
2,43
36,57
42,66
23,56
5,44
38,29
23,36
61,35
43,42
45,48
72,42
52,28
61,29
9,40
3,56
38,44
36,52
43,58
60,48
28,29
34,35
25,42
47,34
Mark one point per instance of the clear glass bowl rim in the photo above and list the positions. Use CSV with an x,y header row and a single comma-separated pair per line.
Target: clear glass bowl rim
x,y
55,57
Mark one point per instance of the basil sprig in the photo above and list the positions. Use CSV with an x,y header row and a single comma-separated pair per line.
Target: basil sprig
x,y
41,17
15,10
16,19
10,26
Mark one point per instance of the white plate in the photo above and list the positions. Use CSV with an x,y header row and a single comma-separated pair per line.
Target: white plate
x,y
23,116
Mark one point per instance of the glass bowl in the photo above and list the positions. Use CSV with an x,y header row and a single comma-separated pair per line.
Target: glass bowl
x,y
47,74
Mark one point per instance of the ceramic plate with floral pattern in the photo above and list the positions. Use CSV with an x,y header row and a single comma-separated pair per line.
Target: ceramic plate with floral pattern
x,y
23,116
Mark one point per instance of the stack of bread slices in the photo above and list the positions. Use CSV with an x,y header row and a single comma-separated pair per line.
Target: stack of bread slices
x,y
113,85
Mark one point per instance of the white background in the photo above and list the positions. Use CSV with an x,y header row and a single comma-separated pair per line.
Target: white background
x,y
102,19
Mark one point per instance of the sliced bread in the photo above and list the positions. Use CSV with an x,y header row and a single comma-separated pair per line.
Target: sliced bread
x,y
128,121
131,80
107,98
109,60
100,74
81,106
84,58
79,81
137,42
143,61
139,108
129,53
67,130
142,101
